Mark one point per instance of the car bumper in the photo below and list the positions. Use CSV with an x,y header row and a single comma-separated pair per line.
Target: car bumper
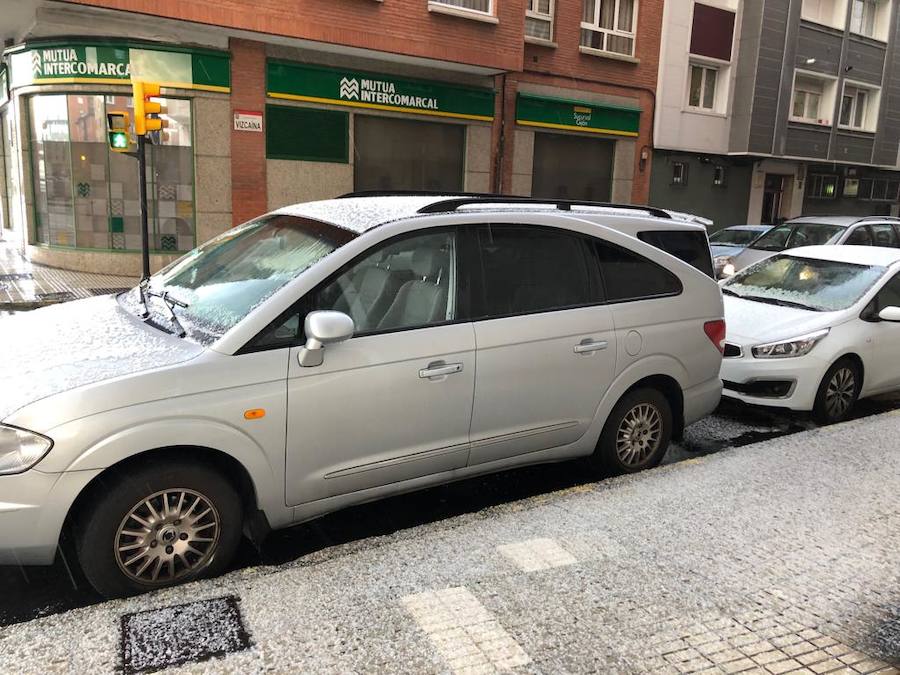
x,y
700,400
33,507
781,383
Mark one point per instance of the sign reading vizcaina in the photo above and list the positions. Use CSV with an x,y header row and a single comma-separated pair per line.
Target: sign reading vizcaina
x,y
300,82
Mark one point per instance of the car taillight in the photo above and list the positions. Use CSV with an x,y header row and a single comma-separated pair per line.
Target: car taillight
x,y
715,331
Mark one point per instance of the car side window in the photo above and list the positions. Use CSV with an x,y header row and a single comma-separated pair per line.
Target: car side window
x,y
691,247
889,295
629,276
529,269
883,234
860,237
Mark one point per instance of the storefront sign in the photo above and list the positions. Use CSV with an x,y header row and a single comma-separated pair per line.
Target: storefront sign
x,y
247,120
553,113
119,64
300,82
4,86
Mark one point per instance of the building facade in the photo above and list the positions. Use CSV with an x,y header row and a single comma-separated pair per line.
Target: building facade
x,y
275,102
772,110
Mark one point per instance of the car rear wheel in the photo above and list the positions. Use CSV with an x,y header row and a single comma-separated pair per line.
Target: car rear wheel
x,y
158,526
838,392
637,432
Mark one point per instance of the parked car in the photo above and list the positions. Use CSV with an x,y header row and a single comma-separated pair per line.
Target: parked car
x,y
729,241
816,231
814,329
325,355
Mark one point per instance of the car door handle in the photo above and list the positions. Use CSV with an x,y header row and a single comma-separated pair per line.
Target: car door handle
x,y
439,369
587,346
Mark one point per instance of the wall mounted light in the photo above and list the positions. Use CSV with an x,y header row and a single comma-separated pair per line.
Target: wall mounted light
x,y
645,155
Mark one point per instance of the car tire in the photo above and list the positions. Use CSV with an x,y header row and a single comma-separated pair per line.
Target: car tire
x,y
838,392
637,432
128,542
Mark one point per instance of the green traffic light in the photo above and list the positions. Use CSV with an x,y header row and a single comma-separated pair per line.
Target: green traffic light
x,y
118,139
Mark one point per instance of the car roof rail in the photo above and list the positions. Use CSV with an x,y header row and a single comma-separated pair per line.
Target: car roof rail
x,y
864,218
454,203
412,193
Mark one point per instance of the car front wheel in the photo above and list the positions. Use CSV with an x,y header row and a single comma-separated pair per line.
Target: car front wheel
x,y
158,525
637,432
838,392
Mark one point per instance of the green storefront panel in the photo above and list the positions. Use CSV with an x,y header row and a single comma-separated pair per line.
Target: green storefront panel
x,y
555,113
301,82
307,134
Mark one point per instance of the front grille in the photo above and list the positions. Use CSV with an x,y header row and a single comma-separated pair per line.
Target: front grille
x,y
761,388
732,350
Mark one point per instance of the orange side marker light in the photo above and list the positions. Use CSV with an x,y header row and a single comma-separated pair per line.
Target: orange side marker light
x,y
254,414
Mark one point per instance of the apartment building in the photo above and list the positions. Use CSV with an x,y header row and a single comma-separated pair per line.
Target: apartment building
x,y
278,101
769,110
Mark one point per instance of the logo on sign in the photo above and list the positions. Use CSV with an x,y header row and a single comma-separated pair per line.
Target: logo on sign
x,y
36,63
582,116
349,88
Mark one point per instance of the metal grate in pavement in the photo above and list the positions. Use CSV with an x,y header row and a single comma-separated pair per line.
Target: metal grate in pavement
x,y
171,636
17,276
107,291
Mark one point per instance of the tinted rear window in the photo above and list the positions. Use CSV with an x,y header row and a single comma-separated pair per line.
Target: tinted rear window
x,y
629,276
691,247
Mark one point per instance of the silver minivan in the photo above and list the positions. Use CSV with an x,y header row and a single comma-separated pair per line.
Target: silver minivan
x,y
336,352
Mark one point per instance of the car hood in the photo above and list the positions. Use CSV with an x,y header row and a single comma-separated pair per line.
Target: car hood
x,y
725,249
748,322
55,349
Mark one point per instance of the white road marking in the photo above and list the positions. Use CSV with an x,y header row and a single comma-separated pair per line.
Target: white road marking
x,y
464,632
537,554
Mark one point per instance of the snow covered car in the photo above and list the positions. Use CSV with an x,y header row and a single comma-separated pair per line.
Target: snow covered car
x,y
814,329
728,242
325,355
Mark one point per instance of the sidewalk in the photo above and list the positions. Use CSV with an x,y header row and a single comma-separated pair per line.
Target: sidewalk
x,y
25,285
779,557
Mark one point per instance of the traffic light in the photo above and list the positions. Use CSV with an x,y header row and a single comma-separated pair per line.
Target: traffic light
x,y
117,131
146,110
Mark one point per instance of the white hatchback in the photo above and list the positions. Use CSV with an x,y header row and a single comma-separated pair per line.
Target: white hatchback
x,y
814,329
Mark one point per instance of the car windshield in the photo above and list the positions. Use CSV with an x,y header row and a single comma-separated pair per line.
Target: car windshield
x,y
733,237
220,282
819,285
796,235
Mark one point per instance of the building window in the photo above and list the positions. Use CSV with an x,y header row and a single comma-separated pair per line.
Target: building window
x,y
813,97
720,175
87,196
851,187
702,90
539,19
831,13
712,32
879,189
859,108
480,6
862,17
679,173
821,186
609,25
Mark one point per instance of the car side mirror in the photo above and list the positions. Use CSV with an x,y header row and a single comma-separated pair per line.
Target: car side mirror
x,y
890,314
323,328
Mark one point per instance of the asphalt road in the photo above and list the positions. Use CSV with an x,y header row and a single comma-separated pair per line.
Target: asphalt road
x,y
30,592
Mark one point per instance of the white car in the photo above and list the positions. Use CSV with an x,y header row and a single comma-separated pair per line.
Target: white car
x,y
814,329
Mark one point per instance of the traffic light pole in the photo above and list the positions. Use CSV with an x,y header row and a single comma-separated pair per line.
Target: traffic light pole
x,y
142,183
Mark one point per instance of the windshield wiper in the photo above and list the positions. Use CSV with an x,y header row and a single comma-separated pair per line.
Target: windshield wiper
x,y
778,301
171,303
728,291
142,294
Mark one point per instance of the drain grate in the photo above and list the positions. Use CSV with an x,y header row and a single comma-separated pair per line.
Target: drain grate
x,y
107,291
171,636
62,296
19,276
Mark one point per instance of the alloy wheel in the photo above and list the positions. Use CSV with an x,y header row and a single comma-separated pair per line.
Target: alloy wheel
x,y
639,434
840,393
167,536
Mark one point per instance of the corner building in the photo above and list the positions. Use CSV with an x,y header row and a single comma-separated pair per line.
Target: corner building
x,y
275,102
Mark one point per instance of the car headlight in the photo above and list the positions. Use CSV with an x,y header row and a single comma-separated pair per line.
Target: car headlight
x,y
725,265
20,450
786,349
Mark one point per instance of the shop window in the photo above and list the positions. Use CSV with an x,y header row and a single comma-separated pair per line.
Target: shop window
x,y
572,167
539,19
609,25
813,98
679,173
702,90
480,6
879,189
288,134
821,186
859,107
399,154
720,176
87,196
